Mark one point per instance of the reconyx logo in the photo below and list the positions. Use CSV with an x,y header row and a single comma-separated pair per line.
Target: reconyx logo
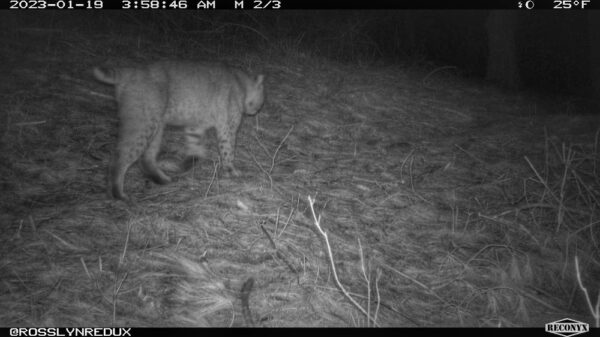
x,y
567,327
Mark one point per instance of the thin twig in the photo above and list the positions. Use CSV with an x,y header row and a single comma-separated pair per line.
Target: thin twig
x,y
287,221
426,288
377,277
122,259
278,148
367,279
29,123
278,252
117,288
212,179
595,311
273,157
509,223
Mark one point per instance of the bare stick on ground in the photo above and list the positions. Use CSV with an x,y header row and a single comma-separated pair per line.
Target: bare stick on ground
x,y
317,222
245,297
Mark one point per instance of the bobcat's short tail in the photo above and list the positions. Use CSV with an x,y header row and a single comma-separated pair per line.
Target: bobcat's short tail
x,y
106,75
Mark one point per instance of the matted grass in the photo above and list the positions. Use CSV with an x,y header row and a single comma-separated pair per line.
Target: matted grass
x,y
445,202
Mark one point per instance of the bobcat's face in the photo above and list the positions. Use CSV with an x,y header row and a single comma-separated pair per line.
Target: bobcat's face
x,y
255,96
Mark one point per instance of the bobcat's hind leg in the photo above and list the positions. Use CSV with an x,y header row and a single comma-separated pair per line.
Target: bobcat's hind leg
x,y
149,165
195,149
133,140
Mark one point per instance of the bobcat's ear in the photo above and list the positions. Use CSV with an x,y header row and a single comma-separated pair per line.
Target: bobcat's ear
x,y
259,79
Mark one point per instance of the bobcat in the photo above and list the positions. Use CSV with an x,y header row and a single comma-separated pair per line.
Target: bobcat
x,y
197,96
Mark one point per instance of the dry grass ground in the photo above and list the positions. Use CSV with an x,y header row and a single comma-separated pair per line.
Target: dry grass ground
x,y
445,202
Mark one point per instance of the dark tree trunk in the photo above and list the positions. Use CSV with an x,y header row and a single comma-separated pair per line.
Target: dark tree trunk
x,y
594,36
502,65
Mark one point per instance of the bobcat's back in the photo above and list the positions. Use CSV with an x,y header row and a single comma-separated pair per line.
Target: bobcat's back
x,y
208,93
